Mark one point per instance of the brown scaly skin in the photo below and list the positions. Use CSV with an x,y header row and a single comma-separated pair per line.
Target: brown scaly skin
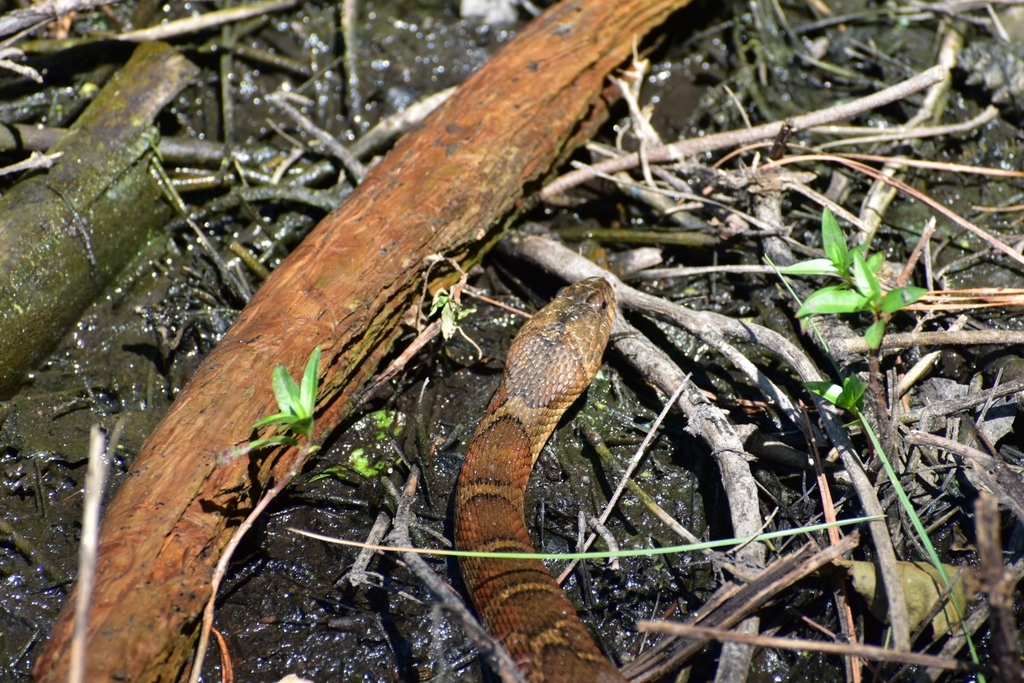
x,y
550,363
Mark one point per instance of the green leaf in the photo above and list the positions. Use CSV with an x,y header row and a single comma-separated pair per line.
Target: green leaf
x,y
847,397
832,300
817,266
286,390
309,383
440,301
448,322
382,418
873,335
864,280
853,393
875,262
902,297
832,240
286,419
276,440
304,426
827,390
336,471
362,464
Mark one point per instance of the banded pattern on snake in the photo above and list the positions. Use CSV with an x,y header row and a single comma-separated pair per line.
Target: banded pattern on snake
x,y
550,363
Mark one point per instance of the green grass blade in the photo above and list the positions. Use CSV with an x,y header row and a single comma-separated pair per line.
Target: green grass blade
x,y
918,525
608,554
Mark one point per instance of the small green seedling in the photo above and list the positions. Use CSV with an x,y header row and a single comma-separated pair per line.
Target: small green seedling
x,y
860,288
451,312
375,457
849,397
366,466
297,403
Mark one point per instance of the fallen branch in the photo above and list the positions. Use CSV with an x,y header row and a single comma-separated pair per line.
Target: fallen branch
x,y
709,143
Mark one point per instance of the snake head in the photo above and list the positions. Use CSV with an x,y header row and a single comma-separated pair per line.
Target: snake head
x,y
558,351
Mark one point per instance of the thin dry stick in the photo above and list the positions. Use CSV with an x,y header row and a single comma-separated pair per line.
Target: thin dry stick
x,y
357,574
845,650
40,13
349,19
710,143
843,592
284,99
491,650
399,363
34,161
226,667
1005,647
947,338
392,126
868,135
7,57
229,550
608,459
687,271
924,365
877,200
872,172
95,483
610,505
204,22
915,255
959,405
931,164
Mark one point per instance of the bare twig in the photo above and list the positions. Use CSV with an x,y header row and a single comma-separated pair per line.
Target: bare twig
x,y
490,649
1005,648
709,143
95,483
395,125
34,161
204,22
40,13
229,550
610,505
284,100
883,192
684,271
847,347
842,649
847,160
866,135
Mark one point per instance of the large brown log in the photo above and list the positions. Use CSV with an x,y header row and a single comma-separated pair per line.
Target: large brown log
x,y
449,188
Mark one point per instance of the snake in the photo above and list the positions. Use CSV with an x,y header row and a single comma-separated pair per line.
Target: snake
x,y
548,365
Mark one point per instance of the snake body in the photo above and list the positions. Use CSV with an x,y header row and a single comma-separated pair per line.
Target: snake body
x,y
549,364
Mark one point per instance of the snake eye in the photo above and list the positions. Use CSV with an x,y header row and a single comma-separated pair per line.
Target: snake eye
x,y
604,305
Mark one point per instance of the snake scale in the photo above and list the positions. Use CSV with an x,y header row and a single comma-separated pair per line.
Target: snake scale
x,y
549,364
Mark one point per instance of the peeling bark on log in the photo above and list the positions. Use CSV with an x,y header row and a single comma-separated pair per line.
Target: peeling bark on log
x,y
447,188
